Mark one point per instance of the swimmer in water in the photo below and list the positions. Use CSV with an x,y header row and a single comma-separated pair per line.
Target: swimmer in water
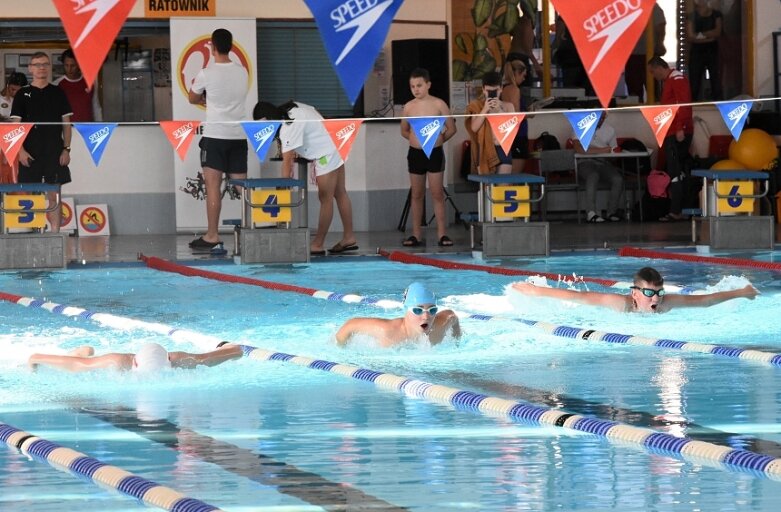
x,y
150,357
422,318
647,295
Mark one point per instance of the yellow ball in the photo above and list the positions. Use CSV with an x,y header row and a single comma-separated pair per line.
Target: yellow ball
x,y
727,165
755,149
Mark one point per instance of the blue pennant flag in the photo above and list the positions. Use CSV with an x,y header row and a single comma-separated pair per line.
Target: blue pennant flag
x,y
735,114
260,135
584,124
427,130
96,136
353,33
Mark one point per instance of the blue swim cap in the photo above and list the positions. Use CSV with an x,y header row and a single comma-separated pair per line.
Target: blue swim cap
x,y
417,294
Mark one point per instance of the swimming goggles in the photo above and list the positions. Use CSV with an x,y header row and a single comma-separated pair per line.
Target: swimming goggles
x,y
649,292
417,310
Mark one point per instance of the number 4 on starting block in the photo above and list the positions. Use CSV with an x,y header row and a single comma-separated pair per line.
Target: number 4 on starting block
x,y
270,211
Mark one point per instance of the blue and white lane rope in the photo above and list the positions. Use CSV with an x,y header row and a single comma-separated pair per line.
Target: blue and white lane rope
x,y
100,473
204,341
689,449
699,452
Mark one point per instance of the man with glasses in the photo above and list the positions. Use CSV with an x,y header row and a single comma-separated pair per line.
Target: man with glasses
x,y
45,154
647,295
422,320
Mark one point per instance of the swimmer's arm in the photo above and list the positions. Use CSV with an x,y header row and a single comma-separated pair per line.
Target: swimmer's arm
x,y
375,327
710,299
608,300
213,358
446,322
81,364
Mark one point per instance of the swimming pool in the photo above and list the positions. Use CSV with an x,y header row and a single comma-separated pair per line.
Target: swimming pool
x,y
254,435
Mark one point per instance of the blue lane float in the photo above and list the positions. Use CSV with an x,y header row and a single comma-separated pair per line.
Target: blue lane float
x,y
100,473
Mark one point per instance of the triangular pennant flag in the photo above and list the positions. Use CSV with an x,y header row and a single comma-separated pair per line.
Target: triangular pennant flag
x,y
605,32
353,33
343,132
584,124
504,127
12,136
427,130
261,135
735,114
96,137
92,27
660,118
180,134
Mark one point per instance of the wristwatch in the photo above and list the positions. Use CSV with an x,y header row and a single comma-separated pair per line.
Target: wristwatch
x,y
67,148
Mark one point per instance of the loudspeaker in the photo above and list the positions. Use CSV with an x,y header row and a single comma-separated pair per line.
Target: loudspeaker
x,y
430,54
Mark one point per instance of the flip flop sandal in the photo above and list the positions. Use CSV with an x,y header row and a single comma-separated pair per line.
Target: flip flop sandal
x,y
339,248
445,241
411,241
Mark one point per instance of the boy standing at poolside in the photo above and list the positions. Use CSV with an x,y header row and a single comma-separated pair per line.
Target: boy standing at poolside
x,y
419,165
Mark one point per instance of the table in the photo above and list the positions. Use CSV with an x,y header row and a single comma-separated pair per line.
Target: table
x,y
637,155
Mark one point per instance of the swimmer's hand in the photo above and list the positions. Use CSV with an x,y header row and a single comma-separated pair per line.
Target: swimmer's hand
x,y
525,288
32,364
748,292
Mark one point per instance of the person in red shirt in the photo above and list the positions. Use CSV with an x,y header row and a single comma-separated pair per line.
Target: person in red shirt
x,y
675,90
83,100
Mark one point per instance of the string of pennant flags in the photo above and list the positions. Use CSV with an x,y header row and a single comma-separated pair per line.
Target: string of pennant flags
x,y
343,132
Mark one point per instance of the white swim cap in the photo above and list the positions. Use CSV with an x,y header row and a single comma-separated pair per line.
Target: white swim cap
x,y
151,357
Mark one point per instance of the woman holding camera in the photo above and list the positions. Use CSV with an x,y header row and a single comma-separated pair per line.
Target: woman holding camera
x,y
487,154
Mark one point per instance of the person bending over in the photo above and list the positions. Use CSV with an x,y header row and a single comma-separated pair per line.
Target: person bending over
x,y
647,295
150,357
422,319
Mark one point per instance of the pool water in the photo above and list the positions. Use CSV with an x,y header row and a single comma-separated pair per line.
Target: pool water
x,y
252,435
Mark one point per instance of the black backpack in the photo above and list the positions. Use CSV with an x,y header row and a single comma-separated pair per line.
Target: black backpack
x,y
546,141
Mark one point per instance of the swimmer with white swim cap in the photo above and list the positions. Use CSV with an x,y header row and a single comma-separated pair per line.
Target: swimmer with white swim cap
x,y
151,357
422,318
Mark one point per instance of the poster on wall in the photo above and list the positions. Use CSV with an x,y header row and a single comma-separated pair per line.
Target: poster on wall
x,y
190,52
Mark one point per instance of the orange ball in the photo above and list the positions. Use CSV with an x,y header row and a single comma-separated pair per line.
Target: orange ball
x,y
727,165
755,149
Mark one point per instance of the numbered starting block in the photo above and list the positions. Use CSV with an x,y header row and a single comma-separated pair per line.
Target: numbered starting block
x,y
504,206
23,209
727,219
273,225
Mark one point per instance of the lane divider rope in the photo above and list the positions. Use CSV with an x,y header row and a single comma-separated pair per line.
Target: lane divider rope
x,y
100,473
692,450
563,331
635,252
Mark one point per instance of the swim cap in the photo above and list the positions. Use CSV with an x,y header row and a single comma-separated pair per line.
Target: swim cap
x,y
417,294
151,357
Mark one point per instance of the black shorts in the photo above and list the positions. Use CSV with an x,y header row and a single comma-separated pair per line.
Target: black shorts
x,y
225,155
419,163
520,148
45,168
503,158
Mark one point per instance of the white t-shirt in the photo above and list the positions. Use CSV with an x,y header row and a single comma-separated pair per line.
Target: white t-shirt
x,y
226,86
604,137
309,138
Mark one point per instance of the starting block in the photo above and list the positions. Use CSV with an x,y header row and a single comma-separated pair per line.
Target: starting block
x,y
727,216
266,233
504,208
23,206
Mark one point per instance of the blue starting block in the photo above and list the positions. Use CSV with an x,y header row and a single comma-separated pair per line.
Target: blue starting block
x,y
23,206
504,211
268,231
729,201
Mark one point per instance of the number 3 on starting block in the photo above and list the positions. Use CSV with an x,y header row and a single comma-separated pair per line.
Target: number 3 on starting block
x,y
506,193
270,211
26,218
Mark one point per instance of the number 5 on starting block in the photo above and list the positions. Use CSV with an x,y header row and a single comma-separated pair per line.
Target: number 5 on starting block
x,y
510,201
271,211
31,212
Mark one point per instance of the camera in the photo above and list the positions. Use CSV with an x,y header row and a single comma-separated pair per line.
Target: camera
x,y
492,94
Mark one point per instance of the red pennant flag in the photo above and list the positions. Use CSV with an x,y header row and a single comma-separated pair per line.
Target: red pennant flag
x,y
604,32
660,118
92,26
343,132
180,134
505,126
12,136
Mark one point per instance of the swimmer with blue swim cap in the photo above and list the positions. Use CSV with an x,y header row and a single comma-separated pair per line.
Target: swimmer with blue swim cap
x,y
422,319
150,358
